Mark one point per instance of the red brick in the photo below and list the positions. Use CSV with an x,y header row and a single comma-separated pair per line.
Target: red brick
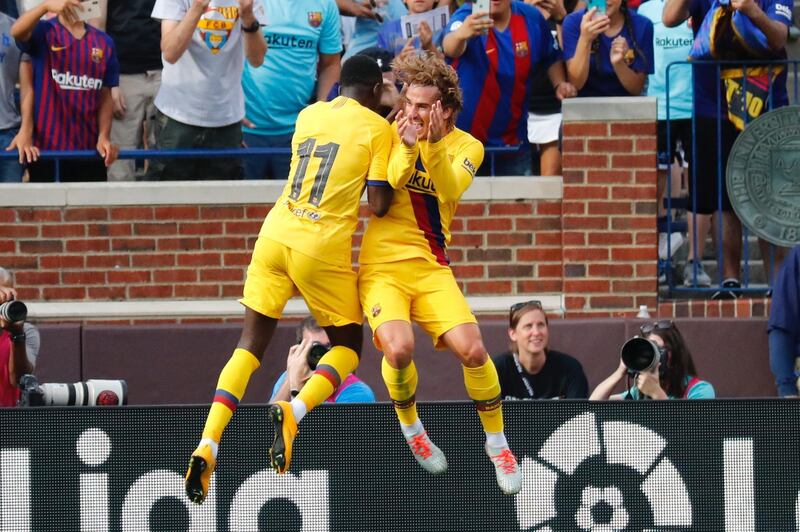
x,y
131,213
547,239
712,310
150,291
175,276
61,292
29,293
37,278
646,177
155,229
152,260
633,192
489,255
177,212
201,228
586,285
647,270
256,211
585,129
585,161
133,244
572,176
510,270
728,310
128,276
548,270
633,128
574,192
7,215
646,144
456,255
488,287
538,223
574,270
634,254
110,229
87,214
510,239
598,302
83,278
221,213
236,259
63,230
611,270
85,245
539,286
609,238
609,176
644,239
539,255
573,145
59,262
19,231
8,246
611,145
585,222
633,223
573,238
178,244
585,254
649,286
19,262
108,261
107,292
39,215
471,209
468,271
197,290
242,228
456,225
548,208
489,224
742,308
573,207
519,207
634,161
199,259
573,302
651,301
40,247
231,290
473,240
224,242
222,274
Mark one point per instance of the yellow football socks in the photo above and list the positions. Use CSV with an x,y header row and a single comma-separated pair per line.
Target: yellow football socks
x,y
483,387
230,389
331,370
402,386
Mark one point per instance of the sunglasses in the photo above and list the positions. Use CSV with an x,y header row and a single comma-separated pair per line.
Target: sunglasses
x,y
535,303
660,325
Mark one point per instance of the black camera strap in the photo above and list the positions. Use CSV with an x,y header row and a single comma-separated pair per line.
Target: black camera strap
x,y
522,376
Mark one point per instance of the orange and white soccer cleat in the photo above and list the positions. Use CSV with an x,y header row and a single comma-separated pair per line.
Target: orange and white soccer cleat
x,y
430,457
506,469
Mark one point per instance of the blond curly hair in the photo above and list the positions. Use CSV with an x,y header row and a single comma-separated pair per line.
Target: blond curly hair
x,y
431,71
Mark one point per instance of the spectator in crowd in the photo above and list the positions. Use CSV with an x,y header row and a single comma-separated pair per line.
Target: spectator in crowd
x,y
19,346
200,102
544,107
23,141
497,56
137,38
302,65
531,370
784,326
391,92
773,18
678,380
68,56
298,371
608,54
390,34
670,45
10,67
372,14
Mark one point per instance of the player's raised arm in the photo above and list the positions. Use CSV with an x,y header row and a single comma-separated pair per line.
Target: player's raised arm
x,y
405,150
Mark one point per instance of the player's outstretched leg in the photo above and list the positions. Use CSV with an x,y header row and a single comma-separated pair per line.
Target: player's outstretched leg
x,y
198,477
285,426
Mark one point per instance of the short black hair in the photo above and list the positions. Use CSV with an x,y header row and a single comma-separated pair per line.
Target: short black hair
x,y
361,70
381,56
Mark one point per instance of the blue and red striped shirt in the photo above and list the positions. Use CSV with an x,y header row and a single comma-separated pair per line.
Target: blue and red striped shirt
x,y
68,77
496,72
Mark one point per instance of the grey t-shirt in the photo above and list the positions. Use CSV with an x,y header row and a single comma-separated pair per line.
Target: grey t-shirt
x,y
32,342
9,74
204,87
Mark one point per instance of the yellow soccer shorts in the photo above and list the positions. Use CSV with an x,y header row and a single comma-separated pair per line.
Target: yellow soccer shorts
x,y
277,272
413,290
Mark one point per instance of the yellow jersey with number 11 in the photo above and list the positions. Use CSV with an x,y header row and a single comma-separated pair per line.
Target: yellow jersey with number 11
x,y
336,146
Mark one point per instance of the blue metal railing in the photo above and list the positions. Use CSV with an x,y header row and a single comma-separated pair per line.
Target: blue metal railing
x,y
670,225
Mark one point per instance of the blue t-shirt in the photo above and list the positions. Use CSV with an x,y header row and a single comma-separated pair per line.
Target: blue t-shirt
x,y
357,392
785,310
283,85
602,80
706,81
496,74
366,32
390,37
700,390
669,45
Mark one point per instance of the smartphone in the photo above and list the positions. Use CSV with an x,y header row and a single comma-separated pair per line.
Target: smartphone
x,y
89,9
481,6
599,4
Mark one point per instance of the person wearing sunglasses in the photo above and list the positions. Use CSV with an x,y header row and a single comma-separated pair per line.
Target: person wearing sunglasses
x,y
674,378
531,370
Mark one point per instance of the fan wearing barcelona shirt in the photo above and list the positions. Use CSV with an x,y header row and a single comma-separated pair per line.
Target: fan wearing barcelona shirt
x,y
497,56
404,272
74,69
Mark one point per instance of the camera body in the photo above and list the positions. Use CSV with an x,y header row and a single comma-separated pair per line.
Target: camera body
x,y
94,392
640,354
315,353
13,311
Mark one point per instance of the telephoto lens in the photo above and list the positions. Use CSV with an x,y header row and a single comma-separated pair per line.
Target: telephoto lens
x,y
13,311
317,351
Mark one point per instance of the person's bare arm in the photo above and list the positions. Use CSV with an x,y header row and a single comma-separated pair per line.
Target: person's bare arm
x,y
379,198
176,35
630,79
675,12
22,30
105,148
455,42
330,67
775,31
255,46
604,389
23,141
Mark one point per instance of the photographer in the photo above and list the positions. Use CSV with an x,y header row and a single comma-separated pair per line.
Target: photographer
x,y
673,378
19,345
298,370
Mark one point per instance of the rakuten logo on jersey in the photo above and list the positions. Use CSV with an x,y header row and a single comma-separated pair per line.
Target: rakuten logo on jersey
x,y
70,82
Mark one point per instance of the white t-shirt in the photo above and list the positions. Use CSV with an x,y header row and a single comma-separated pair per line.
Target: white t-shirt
x,y
204,87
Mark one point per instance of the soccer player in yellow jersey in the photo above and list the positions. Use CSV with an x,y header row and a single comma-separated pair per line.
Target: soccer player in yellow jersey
x,y
404,271
304,247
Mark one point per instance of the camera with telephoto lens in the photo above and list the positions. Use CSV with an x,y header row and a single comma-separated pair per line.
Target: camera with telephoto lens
x,y
317,351
94,392
639,355
13,311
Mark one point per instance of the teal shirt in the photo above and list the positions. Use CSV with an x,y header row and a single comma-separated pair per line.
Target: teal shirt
x,y
366,31
669,45
297,32
700,390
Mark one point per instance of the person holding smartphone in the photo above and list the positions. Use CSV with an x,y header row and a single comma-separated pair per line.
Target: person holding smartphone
x,y
608,49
